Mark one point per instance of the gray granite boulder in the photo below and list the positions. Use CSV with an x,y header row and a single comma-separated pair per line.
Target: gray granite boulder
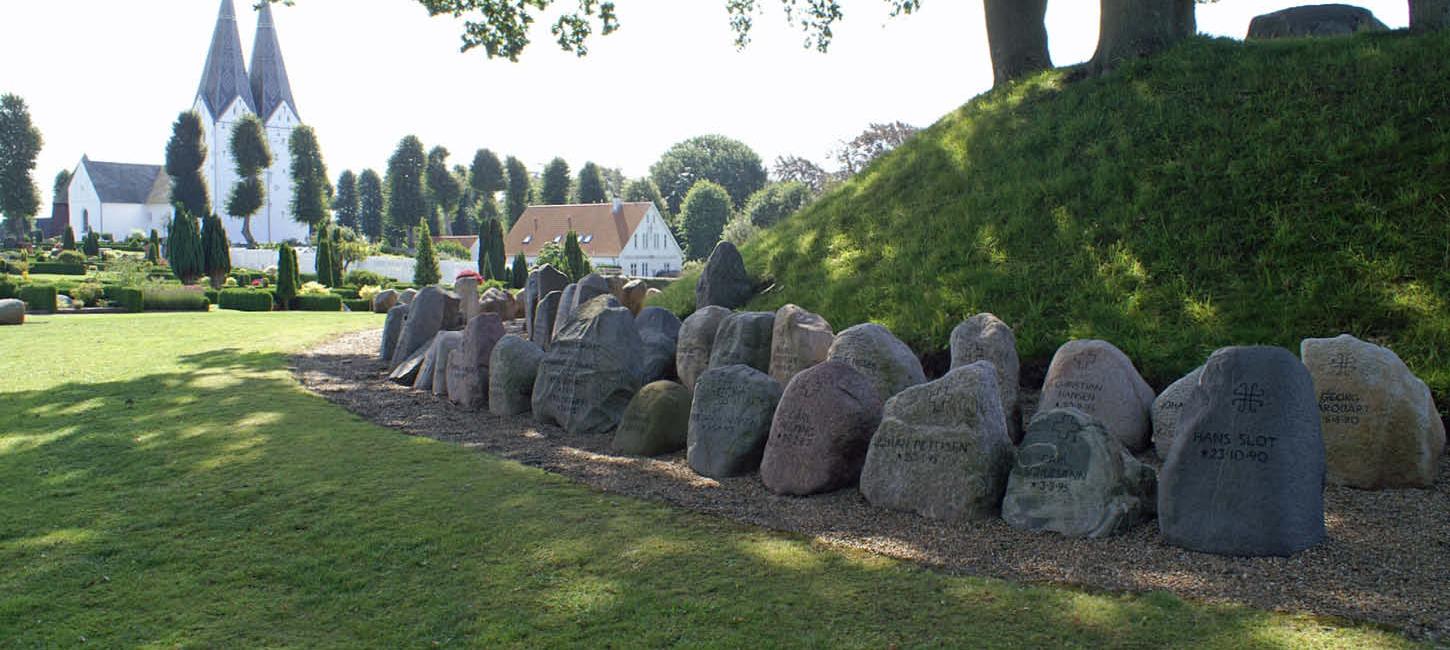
x,y
1074,478
942,450
744,338
468,365
696,341
1381,427
659,330
406,372
542,333
730,420
12,312
633,294
384,301
878,354
800,339
443,346
469,302
512,369
656,422
1166,409
500,302
1246,475
431,360
542,281
821,430
392,331
591,371
426,315
1098,379
985,337
724,281
566,308
590,287
407,296
1315,20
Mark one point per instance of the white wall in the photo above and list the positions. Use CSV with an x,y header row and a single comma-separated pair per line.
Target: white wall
x,y
397,268
273,222
85,210
651,249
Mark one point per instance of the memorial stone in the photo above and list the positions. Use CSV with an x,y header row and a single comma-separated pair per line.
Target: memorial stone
x,y
425,318
724,282
697,337
424,381
384,301
878,354
1098,379
12,312
591,371
566,308
542,333
821,430
985,337
392,331
744,338
468,365
730,420
512,369
1166,409
656,422
407,296
633,295
444,345
542,281
468,299
799,341
659,330
406,372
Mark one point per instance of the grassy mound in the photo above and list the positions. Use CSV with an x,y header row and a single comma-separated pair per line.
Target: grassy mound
x,y
1223,193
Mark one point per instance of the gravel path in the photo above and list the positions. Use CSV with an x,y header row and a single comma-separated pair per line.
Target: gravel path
x,y
1387,559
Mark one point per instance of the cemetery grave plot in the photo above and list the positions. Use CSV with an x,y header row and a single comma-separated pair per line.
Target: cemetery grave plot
x,y
1383,561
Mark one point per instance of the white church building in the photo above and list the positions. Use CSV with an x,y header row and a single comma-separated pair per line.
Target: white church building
x,y
119,198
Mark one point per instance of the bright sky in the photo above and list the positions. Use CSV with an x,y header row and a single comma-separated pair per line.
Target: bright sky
x,y
107,78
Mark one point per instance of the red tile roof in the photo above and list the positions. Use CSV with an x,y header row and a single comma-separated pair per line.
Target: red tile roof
x,y
602,232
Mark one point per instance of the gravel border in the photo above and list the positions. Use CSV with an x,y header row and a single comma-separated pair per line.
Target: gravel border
x,y
1386,561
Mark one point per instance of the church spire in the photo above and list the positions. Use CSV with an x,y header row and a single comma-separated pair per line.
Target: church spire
x,y
225,76
270,86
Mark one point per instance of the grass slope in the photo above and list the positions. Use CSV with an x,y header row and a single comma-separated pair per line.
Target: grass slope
x,y
1222,193
167,483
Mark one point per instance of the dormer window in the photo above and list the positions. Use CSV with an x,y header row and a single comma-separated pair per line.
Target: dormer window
x,y
587,239
528,239
558,238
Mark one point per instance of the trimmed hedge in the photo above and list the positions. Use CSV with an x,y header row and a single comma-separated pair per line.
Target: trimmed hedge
x,y
126,298
177,299
360,277
212,295
318,303
8,288
57,268
245,300
347,293
365,306
38,297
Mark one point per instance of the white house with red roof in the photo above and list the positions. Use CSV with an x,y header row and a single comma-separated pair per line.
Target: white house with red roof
x,y
632,237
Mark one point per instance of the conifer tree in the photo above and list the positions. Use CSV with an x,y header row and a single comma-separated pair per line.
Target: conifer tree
x,y
185,154
216,251
485,249
591,185
497,258
346,205
425,267
68,240
252,156
323,263
520,271
576,263
370,205
288,278
555,190
91,244
519,189
183,247
309,179
153,248
406,203
335,249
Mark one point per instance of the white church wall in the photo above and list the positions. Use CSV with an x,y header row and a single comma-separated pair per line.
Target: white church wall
x,y
85,203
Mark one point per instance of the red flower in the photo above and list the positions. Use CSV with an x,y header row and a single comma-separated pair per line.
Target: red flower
x,y
256,283
468,273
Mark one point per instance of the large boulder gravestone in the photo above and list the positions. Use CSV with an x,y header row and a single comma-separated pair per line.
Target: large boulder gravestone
x,y
444,345
1245,476
566,308
542,333
384,301
468,299
878,354
392,331
1166,409
591,371
590,287
633,294
985,337
724,281
426,316
799,341
1381,428
730,420
659,330
12,312
1072,477
1315,20
512,369
656,422
431,360
821,430
406,372
744,338
542,281
1095,377
697,339
407,296
942,450
468,365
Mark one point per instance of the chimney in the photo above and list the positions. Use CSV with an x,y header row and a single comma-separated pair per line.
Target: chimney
x,y
618,207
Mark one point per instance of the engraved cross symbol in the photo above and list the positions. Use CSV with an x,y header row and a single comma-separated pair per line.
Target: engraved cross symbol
x,y
1248,398
1064,428
1342,363
1085,360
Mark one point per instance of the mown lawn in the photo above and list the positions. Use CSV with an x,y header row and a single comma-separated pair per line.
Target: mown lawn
x,y
165,482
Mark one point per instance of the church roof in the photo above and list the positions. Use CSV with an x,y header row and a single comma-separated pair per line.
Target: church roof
x,y
128,183
225,76
270,87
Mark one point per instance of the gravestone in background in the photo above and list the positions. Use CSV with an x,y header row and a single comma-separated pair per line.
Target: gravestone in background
x,y
724,282
444,345
1246,475
1074,478
591,371
468,364
799,341
542,333
697,338
1098,379
744,338
426,316
659,330
985,337
878,354
1381,428
656,422
542,281
821,431
1166,409
392,331
512,369
730,420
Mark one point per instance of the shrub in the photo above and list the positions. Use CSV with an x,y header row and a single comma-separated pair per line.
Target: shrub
x,y
347,293
58,268
159,297
212,296
315,302
9,288
425,266
91,245
38,297
245,300
369,292
365,306
14,266
452,250
313,289
87,293
360,278
127,298
70,257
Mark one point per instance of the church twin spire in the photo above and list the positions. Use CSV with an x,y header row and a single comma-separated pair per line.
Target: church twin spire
x,y
225,78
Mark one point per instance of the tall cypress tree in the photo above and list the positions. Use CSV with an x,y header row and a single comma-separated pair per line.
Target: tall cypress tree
x,y
252,156
485,250
519,188
309,179
370,205
442,188
215,250
556,183
406,203
68,240
153,248
497,257
323,263
520,271
185,154
425,267
183,247
591,185
578,265
347,205
288,278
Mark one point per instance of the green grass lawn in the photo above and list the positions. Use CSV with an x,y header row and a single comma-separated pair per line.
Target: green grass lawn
x,y
165,482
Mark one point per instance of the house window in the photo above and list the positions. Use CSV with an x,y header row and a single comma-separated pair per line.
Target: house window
x,y
528,239
634,269
646,269
85,220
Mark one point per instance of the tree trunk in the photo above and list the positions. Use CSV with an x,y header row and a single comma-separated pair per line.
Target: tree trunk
x,y
1429,15
1017,37
1135,28
247,232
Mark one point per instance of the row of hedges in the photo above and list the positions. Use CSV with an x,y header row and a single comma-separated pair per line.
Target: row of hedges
x,y
126,298
245,300
38,297
359,305
57,268
175,299
318,303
